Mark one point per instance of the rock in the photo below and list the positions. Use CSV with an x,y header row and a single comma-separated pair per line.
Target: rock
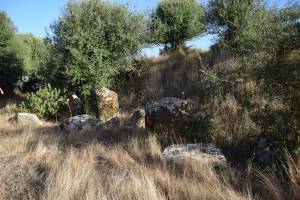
x,y
27,120
137,119
107,104
204,153
81,124
76,105
113,123
167,114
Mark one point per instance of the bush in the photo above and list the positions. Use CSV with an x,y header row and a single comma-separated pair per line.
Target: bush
x,y
46,102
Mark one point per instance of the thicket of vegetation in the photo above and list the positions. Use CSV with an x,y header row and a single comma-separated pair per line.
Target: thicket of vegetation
x,y
247,83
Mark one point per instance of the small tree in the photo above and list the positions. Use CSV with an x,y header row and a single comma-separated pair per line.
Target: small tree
x,y
91,42
175,21
243,25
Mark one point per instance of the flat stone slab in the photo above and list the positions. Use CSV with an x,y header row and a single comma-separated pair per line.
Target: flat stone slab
x,y
205,153
81,124
27,120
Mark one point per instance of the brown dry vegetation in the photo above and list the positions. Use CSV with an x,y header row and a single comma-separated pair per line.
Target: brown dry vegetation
x,y
45,163
173,74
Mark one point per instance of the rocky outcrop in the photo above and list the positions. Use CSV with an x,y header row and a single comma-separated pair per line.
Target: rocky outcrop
x,y
76,105
81,124
107,104
27,120
137,119
204,153
167,114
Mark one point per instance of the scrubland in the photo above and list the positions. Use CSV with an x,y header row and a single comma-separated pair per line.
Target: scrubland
x,y
245,86
44,163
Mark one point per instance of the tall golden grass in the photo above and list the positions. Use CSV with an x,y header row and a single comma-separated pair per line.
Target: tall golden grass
x,y
44,163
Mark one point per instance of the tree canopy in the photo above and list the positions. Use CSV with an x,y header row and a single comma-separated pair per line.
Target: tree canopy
x,y
91,42
175,21
243,25
10,64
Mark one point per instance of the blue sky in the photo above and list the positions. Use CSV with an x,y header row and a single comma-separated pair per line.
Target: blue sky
x,y
35,16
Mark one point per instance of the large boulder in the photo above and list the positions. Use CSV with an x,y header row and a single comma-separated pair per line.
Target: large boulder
x,y
204,153
27,120
137,119
81,124
107,104
167,114
76,105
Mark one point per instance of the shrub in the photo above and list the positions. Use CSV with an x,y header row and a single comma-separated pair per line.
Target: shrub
x,y
45,103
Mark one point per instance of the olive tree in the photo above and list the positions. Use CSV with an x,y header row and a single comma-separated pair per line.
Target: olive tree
x,y
175,21
90,43
243,25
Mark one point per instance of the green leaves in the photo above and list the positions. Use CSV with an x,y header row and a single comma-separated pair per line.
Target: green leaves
x,y
91,42
21,56
244,26
175,21
45,103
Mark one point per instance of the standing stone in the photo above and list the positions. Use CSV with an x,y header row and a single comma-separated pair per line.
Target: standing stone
x,y
107,104
27,120
167,114
76,105
137,119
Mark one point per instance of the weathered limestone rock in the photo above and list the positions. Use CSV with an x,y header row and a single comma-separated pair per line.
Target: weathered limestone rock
x,y
137,119
76,105
167,114
27,120
204,153
81,124
107,104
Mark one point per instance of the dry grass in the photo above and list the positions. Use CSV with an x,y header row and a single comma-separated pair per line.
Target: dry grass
x,y
232,123
173,74
47,164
